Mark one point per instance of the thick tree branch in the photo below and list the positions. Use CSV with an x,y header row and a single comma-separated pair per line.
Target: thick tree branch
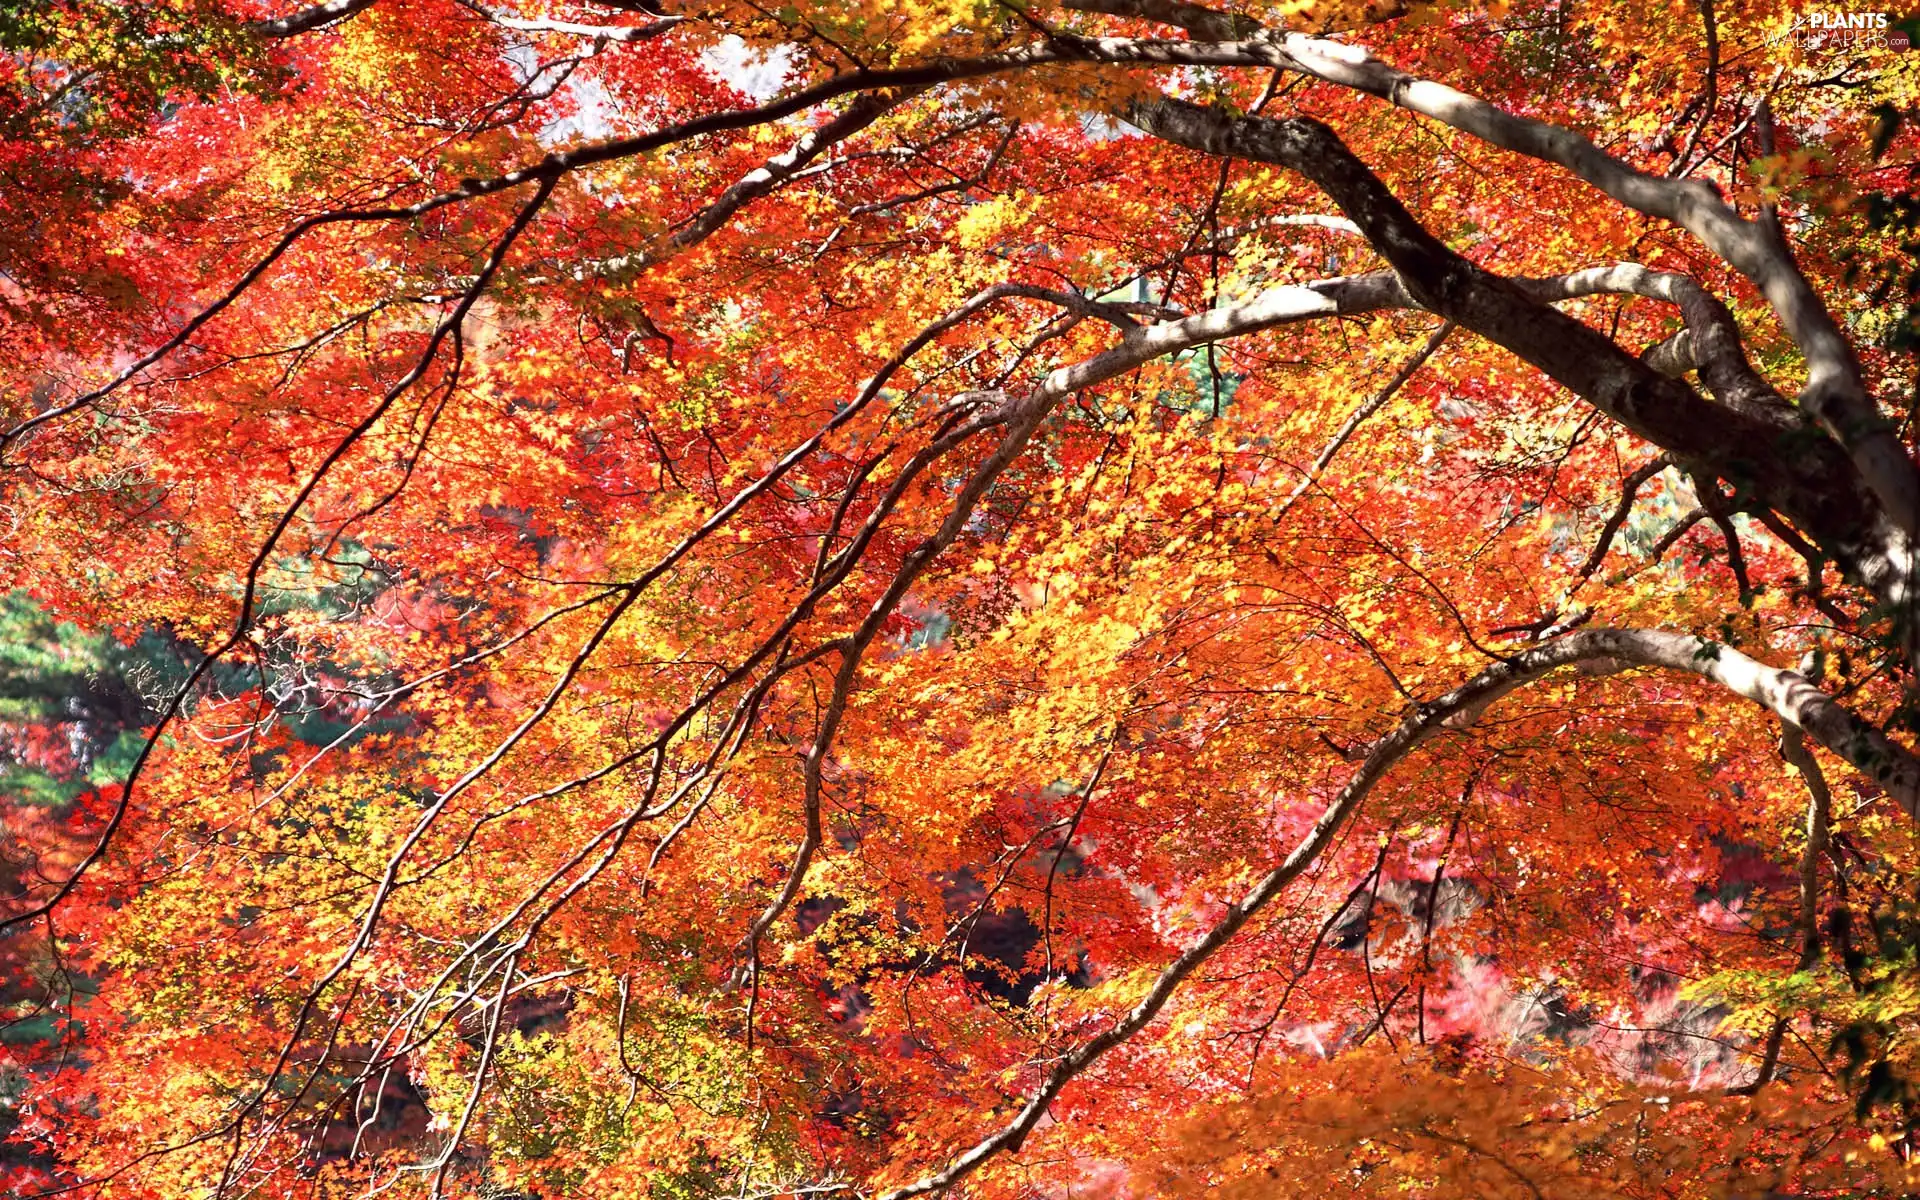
x,y
1211,25
1794,470
1835,394
1204,23
1713,344
309,19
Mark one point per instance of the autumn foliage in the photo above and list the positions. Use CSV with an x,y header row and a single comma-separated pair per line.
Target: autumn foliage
x,y
869,597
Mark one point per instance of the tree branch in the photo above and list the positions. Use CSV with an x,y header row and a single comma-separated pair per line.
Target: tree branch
x,y
1713,344
610,33
1204,23
1367,408
1793,748
1806,477
1787,694
309,19
1835,394
1629,491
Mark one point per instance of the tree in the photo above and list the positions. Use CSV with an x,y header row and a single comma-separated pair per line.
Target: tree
x,y
872,598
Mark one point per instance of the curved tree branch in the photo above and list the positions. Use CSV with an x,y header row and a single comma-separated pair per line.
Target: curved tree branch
x,y
1785,693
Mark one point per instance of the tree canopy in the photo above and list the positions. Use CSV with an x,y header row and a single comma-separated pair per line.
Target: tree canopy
x,y
1025,599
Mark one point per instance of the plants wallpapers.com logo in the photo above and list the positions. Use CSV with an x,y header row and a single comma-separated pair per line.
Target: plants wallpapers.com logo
x,y
1831,29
